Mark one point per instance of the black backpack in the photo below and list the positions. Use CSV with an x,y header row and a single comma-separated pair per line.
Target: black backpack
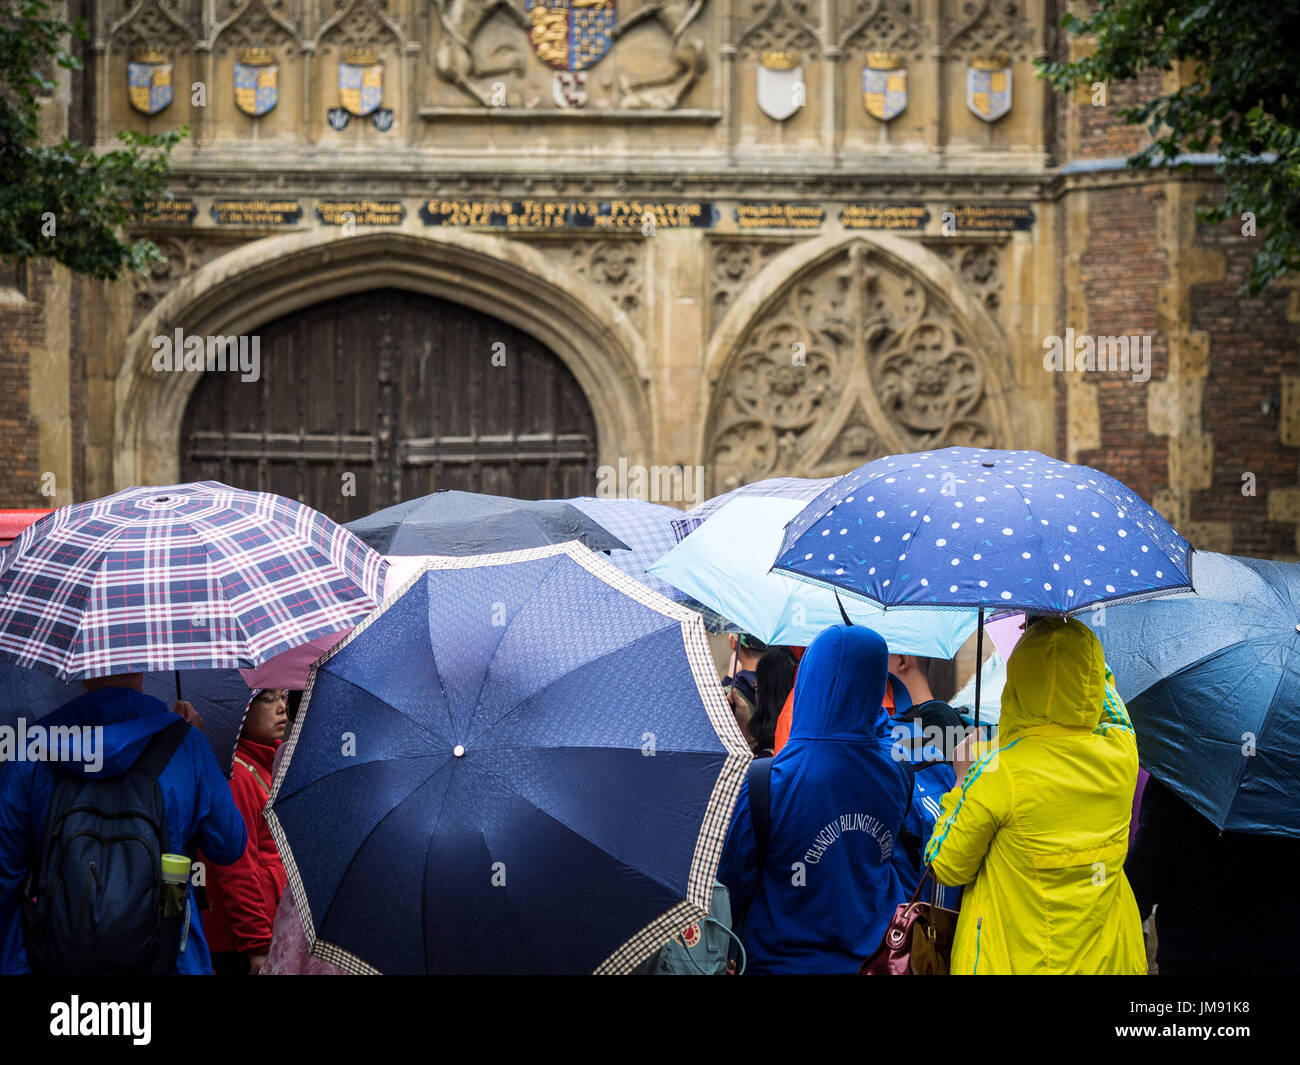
x,y
92,899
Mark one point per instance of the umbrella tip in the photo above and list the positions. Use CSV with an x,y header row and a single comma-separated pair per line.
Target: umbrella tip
x,y
458,751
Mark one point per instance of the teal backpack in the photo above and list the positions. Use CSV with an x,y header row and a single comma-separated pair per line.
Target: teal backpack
x,y
699,949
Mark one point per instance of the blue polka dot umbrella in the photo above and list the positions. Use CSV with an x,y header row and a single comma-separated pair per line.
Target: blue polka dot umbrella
x,y
982,529
970,527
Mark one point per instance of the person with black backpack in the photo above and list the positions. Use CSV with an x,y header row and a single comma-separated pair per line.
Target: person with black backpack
x,y
82,842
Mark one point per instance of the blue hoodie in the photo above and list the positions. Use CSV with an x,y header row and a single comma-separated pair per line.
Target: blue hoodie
x,y
828,886
196,795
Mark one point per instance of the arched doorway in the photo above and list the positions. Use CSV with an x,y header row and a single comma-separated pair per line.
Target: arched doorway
x,y
383,395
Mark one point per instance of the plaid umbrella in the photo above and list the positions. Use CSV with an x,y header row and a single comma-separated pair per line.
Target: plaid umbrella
x,y
190,576
650,530
801,488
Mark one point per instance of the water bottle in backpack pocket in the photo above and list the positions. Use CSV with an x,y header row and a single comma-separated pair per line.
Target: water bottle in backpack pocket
x,y
94,902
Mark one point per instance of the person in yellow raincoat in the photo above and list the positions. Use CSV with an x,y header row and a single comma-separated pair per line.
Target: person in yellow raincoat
x,y
1039,825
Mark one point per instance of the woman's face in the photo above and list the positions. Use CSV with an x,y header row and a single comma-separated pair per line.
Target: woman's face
x,y
267,717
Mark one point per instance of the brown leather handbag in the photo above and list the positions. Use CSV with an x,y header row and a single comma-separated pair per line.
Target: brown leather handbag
x,y
918,941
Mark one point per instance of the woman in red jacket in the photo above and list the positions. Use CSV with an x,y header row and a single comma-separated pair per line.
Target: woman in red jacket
x,y
243,897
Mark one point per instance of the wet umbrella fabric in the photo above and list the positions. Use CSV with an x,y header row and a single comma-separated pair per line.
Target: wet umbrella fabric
x,y
219,695
542,774
189,576
1212,683
469,523
978,528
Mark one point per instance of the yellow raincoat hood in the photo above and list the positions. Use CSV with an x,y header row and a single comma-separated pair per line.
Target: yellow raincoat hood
x,y
1056,675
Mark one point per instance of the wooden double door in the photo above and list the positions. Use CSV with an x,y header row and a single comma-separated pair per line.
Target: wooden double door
x,y
387,395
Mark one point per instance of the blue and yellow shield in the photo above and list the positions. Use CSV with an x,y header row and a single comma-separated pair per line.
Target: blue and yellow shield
x,y
884,86
571,34
257,81
988,88
149,81
361,82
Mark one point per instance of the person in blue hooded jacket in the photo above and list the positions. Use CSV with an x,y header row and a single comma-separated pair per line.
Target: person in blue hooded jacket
x,y
820,898
195,793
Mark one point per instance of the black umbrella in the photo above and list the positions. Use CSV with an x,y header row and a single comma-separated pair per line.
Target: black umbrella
x,y
467,523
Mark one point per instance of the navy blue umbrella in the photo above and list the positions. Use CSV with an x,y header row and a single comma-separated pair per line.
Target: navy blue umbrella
x,y
219,695
520,764
1212,683
978,528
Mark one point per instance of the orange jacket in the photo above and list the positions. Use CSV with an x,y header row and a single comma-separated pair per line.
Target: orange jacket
x,y
787,711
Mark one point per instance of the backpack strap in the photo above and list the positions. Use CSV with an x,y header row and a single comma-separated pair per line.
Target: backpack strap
x,y
760,806
165,742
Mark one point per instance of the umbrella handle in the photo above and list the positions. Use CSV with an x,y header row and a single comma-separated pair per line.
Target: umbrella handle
x,y
979,666
177,674
843,613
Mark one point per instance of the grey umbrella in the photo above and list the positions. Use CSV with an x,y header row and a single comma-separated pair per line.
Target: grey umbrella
x,y
468,523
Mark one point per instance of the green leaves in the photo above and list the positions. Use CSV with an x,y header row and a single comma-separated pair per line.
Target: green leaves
x,y
63,202
1244,103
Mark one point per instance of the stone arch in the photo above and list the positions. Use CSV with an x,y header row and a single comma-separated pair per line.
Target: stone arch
x,y
846,348
267,279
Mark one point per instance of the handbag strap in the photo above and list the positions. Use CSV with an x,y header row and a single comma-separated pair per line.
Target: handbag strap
x,y
256,775
934,884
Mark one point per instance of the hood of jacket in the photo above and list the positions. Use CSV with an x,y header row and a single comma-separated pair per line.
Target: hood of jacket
x,y
1056,675
840,686
119,722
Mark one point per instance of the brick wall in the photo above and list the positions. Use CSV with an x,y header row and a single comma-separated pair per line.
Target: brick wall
x,y
1252,346
1122,272
21,328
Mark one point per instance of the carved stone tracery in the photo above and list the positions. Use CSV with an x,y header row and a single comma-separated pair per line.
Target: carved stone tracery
x,y
184,254
988,27
883,26
361,24
779,26
732,265
254,24
855,359
153,23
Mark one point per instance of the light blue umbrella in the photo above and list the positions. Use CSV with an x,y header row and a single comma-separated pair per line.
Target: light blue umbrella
x,y
725,564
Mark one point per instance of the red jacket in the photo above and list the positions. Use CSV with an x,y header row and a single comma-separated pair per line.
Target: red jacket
x,y
243,897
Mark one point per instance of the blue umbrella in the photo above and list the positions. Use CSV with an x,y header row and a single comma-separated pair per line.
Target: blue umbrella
x,y
521,763
726,562
1212,683
977,528
219,695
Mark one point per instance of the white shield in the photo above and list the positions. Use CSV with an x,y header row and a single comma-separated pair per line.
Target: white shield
x,y
780,92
